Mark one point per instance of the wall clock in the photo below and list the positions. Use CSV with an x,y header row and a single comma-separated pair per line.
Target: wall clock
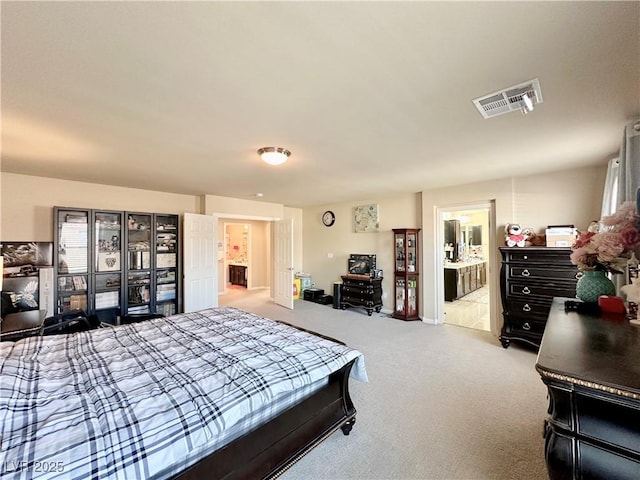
x,y
328,218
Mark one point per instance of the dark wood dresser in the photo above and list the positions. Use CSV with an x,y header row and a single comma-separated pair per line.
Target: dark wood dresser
x,y
529,279
591,366
360,291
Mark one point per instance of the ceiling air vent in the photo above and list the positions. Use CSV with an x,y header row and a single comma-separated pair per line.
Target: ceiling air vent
x,y
510,99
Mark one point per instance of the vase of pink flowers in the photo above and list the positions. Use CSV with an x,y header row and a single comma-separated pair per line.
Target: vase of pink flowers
x,y
604,249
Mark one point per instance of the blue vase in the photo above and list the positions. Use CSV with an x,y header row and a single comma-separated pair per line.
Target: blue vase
x,y
592,284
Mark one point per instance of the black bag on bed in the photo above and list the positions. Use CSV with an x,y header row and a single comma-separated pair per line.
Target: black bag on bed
x,y
67,322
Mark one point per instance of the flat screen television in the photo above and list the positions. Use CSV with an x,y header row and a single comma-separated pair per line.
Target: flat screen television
x,y
361,264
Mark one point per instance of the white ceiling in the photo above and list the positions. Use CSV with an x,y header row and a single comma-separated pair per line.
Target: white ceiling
x,y
372,98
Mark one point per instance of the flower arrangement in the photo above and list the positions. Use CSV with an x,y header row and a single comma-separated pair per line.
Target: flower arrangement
x,y
608,248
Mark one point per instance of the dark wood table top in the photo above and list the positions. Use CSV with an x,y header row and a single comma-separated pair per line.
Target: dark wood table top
x,y
596,351
15,322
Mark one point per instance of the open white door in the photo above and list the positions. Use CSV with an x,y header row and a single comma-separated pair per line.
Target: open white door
x,y
200,262
283,262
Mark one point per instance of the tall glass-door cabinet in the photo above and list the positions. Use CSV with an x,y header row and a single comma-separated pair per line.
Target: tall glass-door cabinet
x,y
406,274
111,263
139,256
71,258
166,237
107,278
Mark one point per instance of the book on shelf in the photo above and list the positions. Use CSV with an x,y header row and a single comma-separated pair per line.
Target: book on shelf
x,y
165,295
166,276
166,226
166,260
79,282
78,302
166,309
107,300
138,309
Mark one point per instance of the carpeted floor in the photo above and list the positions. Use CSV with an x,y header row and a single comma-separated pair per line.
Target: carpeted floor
x,y
442,402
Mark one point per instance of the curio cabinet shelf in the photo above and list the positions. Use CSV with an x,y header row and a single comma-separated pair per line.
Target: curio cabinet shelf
x,y
406,274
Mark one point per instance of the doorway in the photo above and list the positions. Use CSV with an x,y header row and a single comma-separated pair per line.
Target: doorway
x,y
465,252
249,247
237,255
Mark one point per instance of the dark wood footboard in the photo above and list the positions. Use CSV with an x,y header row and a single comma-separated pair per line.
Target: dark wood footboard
x,y
270,449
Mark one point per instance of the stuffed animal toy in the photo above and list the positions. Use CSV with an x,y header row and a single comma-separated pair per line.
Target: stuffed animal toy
x,y
515,235
535,239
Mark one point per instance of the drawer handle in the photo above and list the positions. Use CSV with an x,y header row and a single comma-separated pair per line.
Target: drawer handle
x,y
526,326
525,273
526,308
526,290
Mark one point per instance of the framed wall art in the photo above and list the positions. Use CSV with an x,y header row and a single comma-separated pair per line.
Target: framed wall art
x,y
365,218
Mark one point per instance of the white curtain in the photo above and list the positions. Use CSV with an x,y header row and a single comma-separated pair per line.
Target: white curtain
x,y
628,181
610,196
629,169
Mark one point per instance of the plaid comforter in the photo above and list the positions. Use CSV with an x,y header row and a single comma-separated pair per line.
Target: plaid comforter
x,y
148,399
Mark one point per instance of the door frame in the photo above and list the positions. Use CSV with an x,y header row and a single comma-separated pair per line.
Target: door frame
x,y
490,257
238,218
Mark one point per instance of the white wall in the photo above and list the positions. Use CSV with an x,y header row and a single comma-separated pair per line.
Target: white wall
x,y
27,212
239,210
340,240
565,197
570,196
27,203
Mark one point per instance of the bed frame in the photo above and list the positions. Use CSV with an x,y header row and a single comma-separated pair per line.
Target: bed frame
x,y
269,450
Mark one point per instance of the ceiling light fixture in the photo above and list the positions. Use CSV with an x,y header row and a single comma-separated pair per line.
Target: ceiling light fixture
x,y
274,155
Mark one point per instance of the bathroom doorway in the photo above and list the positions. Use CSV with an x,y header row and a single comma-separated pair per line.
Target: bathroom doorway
x,y
465,254
237,255
244,247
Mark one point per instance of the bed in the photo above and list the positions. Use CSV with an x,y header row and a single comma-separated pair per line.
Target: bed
x,y
219,393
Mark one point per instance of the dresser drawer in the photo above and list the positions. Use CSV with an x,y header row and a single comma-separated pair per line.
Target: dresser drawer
x,y
542,272
356,283
356,294
366,290
527,325
541,256
541,289
616,421
538,308
358,300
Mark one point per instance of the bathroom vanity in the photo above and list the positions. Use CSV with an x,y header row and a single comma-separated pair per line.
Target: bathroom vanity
x,y
238,275
462,278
